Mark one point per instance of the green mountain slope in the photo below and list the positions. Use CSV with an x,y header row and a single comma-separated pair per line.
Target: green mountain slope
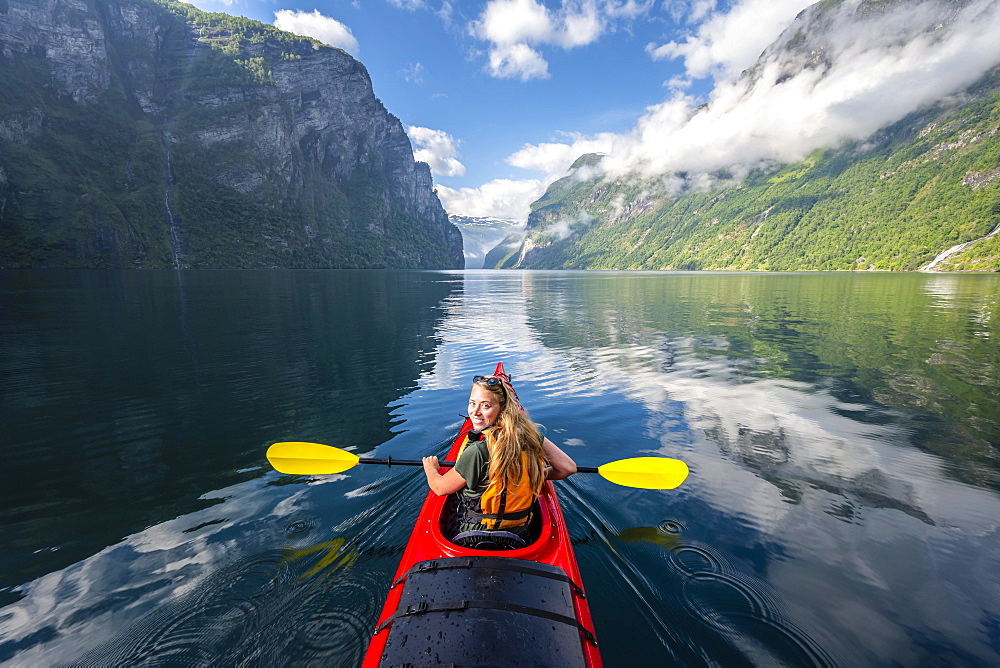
x,y
892,202
147,133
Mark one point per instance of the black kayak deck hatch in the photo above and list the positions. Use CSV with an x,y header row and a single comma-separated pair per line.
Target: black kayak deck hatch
x,y
485,611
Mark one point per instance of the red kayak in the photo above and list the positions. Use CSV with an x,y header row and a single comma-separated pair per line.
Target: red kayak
x,y
450,604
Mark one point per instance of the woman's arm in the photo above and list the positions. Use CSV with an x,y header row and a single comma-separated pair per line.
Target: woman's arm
x,y
449,483
561,465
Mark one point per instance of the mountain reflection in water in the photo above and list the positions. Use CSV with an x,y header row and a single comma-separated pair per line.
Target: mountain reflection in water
x,y
841,430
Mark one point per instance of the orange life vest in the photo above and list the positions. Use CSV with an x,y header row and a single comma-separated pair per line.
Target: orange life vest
x,y
502,507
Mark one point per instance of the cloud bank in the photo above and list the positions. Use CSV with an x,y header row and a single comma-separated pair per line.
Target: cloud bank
x,y
724,44
776,98
499,198
856,75
517,30
313,24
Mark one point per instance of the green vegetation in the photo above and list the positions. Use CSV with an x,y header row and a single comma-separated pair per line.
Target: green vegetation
x,y
891,203
94,183
81,187
877,341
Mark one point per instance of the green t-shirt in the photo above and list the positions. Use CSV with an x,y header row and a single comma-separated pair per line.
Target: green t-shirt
x,y
474,467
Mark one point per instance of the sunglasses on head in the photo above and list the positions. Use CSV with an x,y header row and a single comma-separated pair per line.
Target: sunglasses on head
x,y
489,380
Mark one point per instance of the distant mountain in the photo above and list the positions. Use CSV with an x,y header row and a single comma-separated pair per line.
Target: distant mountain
x,y
921,193
147,133
482,233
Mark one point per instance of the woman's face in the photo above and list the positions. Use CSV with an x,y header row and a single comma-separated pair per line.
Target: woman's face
x,y
484,407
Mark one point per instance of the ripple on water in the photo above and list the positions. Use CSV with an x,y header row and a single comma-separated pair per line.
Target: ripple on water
x,y
326,628
197,629
710,612
274,608
739,607
312,601
298,528
693,561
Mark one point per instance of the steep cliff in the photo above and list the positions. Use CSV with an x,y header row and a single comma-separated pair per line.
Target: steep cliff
x,y
146,133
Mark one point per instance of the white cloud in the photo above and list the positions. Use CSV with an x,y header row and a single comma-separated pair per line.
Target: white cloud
x,y
506,22
517,29
580,27
629,9
313,24
446,13
517,61
874,72
678,83
414,73
727,43
438,149
408,5
500,198
554,158
564,227
701,9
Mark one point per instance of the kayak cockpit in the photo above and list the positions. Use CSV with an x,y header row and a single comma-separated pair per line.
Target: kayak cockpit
x,y
488,539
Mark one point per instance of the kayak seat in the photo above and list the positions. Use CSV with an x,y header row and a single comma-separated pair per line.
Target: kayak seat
x,y
489,540
483,539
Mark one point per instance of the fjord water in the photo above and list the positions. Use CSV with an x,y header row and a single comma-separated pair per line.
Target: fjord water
x,y
842,433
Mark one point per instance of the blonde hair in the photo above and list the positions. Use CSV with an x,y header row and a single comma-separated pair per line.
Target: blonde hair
x,y
512,434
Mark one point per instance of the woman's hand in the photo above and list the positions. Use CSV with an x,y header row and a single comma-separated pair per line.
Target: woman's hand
x,y
431,465
449,483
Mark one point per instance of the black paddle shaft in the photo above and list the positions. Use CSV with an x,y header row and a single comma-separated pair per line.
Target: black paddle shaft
x,y
389,461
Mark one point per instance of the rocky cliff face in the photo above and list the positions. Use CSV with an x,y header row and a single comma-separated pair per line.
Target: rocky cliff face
x,y
147,133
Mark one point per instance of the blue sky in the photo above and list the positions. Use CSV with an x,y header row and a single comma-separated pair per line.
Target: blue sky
x,y
500,96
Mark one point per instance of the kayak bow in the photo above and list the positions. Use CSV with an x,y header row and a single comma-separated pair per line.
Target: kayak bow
x,y
450,604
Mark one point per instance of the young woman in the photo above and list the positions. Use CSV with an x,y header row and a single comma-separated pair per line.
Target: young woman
x,y
502,465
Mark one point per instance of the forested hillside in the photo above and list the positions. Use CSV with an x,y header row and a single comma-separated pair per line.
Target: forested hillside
x,y
147,133
893,201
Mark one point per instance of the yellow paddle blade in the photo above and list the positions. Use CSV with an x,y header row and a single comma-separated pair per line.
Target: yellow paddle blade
x,y
645,472
309,458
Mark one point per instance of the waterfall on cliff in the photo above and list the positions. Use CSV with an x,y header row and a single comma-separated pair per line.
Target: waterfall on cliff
x,y
175,241
941,257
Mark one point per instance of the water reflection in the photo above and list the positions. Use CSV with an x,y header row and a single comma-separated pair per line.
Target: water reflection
x,y
875,343
202,590
136,409
132,394
840,431
842,434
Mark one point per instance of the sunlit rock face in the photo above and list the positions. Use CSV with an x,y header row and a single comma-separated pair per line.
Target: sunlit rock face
x,y
283,135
